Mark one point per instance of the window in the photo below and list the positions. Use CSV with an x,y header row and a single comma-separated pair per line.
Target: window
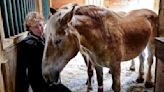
x,y
94,2
13,13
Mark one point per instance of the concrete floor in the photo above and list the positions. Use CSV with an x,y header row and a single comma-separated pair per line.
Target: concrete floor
x,y
74,76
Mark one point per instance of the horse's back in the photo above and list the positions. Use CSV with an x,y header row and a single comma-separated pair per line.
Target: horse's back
x,y
139,29
135,29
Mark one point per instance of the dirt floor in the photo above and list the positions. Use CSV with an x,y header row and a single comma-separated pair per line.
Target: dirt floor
x,y
75,76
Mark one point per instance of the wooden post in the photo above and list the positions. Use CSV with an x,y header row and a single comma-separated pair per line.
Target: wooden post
x,y
50,3
159,78
161,18
2,58
159,83
38,6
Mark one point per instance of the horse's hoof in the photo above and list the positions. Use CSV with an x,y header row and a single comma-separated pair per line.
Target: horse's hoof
x,y
86,82
132,68
109,72
140,80
89,88
149,84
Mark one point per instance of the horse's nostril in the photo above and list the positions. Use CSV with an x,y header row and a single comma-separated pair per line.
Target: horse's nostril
x,y
58,41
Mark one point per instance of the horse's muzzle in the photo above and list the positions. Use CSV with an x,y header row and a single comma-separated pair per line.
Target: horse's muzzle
x,y
51,76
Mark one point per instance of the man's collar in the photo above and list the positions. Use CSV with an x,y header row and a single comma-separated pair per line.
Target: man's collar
x,y
35,36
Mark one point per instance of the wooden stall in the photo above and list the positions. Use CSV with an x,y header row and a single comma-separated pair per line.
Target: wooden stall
x,y
59,3
12,15
159,85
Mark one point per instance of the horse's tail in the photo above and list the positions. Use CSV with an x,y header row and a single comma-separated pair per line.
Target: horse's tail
x,y
153,19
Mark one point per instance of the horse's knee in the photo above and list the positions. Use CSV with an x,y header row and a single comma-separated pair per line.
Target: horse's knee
x,y
90,74
150,56
150,60
132,66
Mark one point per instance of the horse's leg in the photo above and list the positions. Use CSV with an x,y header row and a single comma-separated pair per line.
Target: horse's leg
x,y
89,71
99,73
140,78
115,70
149,82
132,66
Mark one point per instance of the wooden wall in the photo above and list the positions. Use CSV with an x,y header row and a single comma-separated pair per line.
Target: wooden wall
x,y
7,65
161,19
59,3
8,56
2,60
8,69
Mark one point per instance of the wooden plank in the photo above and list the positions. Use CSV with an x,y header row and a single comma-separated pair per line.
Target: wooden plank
x,y
159,85
160,48
7,82
2,88
39,6
2,60
161,18
159,80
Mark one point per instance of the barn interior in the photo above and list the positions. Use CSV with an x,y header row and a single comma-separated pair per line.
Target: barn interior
x,y
74,75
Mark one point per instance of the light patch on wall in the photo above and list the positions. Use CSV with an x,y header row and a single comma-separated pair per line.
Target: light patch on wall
x,y
94,2
127,5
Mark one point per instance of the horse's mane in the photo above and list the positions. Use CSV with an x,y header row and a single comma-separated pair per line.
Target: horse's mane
x,y
97,13
90,11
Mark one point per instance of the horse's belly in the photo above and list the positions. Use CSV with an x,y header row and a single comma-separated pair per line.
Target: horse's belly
x,y
134,45
131,54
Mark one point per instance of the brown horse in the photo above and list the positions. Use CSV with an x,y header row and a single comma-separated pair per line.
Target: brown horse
x,y
102,35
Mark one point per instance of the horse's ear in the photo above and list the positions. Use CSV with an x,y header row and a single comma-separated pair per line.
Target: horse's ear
x,y
67,17
52,10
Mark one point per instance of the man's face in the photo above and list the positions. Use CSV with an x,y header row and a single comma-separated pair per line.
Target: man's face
x,y
38,28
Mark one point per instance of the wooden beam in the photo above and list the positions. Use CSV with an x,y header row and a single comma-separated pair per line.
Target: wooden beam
x,y
161,18
38,6
50,3
159,78
2,59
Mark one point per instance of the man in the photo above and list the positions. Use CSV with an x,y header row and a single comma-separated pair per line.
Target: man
x,y
29,60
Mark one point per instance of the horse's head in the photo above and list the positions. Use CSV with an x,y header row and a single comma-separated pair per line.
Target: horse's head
x,y
61,44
